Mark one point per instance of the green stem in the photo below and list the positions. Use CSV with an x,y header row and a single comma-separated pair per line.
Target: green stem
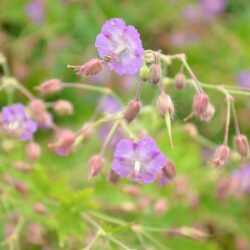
x,y
228,100
93,241
236,122
169,129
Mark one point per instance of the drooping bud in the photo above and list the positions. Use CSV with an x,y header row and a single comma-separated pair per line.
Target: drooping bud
x,y
144,73
63,107
180,80
36,107
200,104
21,188
33,151
113,176
132,190
40,208
154,73
208,114
168,173
132,110
241,145
221,156
165,104
95,164
92,67
191,129
50,86
64,143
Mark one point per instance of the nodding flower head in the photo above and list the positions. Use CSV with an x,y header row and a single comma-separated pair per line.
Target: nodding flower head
x,y
120,46
139,161
221,156
15,122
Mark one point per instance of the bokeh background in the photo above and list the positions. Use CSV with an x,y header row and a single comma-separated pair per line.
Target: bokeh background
x,y
40,37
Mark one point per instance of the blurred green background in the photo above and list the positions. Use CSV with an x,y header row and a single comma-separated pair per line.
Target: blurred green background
x,y
39,38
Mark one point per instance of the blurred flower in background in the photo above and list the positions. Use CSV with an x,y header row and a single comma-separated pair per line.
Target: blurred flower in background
x,y
35,11
244,79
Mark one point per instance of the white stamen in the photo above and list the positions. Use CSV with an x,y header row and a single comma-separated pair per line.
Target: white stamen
x,y
137,167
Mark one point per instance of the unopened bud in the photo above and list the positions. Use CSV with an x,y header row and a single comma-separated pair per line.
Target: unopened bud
x,y
149,56
33,151
63,107
113,176
132,190
208,114
50,86
200,104
221,156
241,145
21,166
191,129
144,72
21,188
154,73
189,232
180,80
92,67
64,142
160,207
168,173
36,107
40,208
165,104
132,110
95,164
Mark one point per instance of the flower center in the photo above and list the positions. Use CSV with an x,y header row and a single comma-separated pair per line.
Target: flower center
x,y
137,167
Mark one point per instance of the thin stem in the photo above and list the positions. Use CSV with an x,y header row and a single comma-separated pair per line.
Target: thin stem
x,y
93,241
109,137
236,121
119,243
25,91
108,218
155,241
138,92
169,129
128,131
228,100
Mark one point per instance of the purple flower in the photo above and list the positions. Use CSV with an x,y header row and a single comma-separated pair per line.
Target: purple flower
x,y
120,46
35,11
244,79
16,123
110,105
138,161
242,177
213,7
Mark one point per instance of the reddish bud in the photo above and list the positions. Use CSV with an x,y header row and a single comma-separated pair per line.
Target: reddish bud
x,y
208,114
63,107
221,156
90,68
165,104
113,176
154,73
40,208
180,80
200,104
33,151
21,166
132,190
50,86
21,188
8,178
95,164
189,232
160,207
132,110
168,173
64,144
191,129
35,234
37,107
241,145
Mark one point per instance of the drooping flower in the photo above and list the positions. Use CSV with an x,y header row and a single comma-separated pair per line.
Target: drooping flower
x,y
244,79
120,46
15,122
139,161
35,11
242,177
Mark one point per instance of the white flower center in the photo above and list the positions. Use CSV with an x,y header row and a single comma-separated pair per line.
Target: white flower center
x,y
137,167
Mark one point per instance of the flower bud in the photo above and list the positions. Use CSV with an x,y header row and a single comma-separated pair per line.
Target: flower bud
x,y
36,107
168,173
221,156
160,207
200,104
208,114
149,56
165,104
63,107
21,188
64,142
191,130
40,208
21,166
33,151
154,73
92,67
132,110
50,86
132,190
241,145
95,164
113,176
180,80
144,72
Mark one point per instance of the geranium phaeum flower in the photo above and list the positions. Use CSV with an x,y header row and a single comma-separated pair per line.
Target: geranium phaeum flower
x,y
15,122
120,46
138,161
